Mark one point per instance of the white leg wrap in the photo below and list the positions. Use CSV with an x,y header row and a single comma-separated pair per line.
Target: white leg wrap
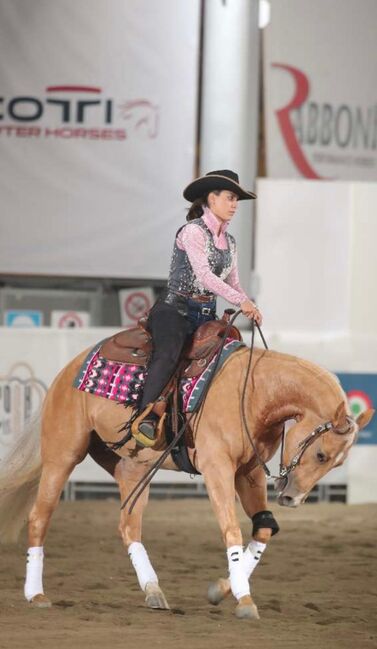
x,y
143,567
239,581
252,555
34,571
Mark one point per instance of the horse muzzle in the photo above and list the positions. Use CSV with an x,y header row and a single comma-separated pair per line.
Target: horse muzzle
x,y
288,496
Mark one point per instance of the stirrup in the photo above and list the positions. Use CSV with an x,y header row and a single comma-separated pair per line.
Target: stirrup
x,y
142,439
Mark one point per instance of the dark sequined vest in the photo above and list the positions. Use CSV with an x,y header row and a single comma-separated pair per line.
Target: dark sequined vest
x,y
182,279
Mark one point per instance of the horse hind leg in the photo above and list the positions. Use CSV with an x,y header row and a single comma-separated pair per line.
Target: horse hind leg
x,y
54,476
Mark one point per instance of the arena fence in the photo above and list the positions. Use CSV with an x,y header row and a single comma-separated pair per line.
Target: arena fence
x,y
193,489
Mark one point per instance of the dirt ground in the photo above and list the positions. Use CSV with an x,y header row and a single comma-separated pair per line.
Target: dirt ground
x,y
316,586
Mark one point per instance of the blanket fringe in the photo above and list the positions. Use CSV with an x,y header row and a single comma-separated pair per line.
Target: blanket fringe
x,y
115,446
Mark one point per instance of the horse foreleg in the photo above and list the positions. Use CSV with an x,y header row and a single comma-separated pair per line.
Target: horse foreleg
x,y
252,492
128,475
221,491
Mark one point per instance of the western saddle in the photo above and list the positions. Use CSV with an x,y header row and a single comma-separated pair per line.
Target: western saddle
x,y
135,346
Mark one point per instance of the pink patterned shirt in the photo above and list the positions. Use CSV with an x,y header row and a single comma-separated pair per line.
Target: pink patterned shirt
x,y
193,241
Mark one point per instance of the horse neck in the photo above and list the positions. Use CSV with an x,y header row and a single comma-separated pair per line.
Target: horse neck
x,y
285,387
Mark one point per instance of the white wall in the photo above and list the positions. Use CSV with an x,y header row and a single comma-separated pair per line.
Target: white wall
x,y
317,267
315,258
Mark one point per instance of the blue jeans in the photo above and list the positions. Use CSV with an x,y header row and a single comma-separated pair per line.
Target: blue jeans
x,y
199,312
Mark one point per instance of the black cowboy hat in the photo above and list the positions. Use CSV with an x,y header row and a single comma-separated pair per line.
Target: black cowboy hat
x,y
223,179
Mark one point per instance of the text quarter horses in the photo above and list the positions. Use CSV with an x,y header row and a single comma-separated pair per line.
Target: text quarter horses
x,y
279,388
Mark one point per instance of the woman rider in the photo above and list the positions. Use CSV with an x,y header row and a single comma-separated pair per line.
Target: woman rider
x,y
203,265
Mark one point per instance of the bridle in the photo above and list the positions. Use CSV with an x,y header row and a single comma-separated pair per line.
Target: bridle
x,y
285,469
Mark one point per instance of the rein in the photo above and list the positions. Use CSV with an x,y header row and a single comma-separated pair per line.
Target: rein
x,y
284,470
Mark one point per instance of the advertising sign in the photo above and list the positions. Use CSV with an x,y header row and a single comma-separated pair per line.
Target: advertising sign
x,y
321,112
361,390
97,134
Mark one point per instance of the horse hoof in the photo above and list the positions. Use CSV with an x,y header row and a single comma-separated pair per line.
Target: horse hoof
x,y
217,591
40,601
246,609
155,598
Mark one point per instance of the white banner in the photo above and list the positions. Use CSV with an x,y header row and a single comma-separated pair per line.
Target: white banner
x,y
320,89
97,133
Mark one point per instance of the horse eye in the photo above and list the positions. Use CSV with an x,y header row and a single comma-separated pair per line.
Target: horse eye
x,y
321,457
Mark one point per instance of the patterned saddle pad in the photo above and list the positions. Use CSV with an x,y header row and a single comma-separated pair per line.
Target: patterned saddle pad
x,y
124,382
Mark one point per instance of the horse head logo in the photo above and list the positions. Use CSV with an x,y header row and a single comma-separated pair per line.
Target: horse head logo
x,y
142,116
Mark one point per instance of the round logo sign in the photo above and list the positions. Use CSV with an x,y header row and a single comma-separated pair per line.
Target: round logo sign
x,y
359,401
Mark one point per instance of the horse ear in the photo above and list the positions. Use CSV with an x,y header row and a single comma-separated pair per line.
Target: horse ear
x,y
365,417
340,421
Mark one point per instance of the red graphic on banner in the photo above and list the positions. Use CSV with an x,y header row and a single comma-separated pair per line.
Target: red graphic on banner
x,y
142,112
72,89
286,126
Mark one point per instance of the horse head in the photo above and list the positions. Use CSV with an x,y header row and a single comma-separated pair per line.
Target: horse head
x,y
312,449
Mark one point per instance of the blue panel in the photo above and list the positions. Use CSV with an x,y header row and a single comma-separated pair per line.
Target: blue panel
x,y
23,318
361,391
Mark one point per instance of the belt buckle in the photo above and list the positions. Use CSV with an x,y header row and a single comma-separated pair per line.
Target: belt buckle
x,y
206,310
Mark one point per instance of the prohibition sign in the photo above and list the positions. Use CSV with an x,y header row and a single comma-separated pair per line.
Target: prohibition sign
x,y
136,305
70,319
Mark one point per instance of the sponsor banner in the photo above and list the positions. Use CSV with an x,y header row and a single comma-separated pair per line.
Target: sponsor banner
x,y
134,304
70,319
23,318
97,134
361,390
320,104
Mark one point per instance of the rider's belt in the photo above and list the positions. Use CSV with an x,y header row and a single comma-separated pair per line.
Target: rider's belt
x,y
202,298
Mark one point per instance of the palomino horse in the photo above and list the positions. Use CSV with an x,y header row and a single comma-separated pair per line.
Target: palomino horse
x,y
279,388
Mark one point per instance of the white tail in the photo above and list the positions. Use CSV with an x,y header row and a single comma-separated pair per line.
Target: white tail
x,y
19,477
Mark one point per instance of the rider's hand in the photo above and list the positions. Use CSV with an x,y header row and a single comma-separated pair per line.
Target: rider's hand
x,y
250,310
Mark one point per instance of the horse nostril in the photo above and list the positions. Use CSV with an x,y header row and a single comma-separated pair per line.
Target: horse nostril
x,y
286,501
